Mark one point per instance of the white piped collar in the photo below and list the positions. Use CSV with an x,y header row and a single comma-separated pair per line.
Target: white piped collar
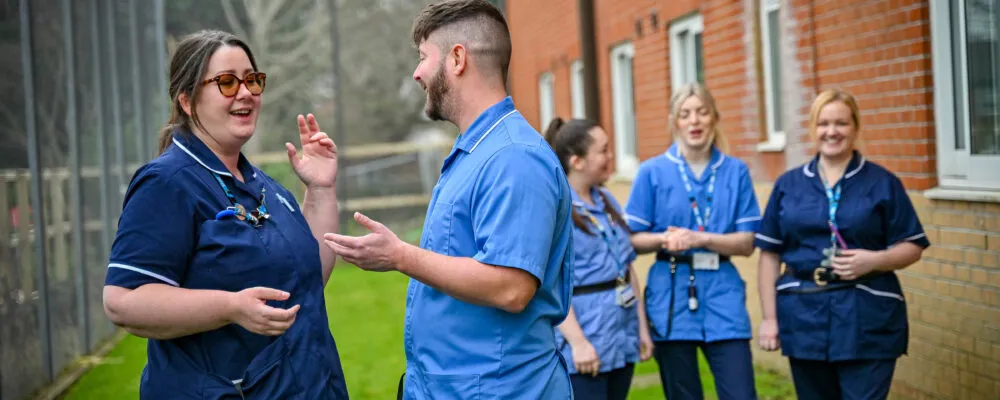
x,y
673,154
203,164
858,157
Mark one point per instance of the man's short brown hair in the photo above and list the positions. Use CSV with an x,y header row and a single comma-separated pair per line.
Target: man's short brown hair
x,y
475,24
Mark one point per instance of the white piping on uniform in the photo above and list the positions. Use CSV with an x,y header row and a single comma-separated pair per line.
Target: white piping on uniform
x,y
856,170
179,145
144,272
491,130
879,292
768,239
637,219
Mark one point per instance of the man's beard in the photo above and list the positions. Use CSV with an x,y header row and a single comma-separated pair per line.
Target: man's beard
x,y
436,92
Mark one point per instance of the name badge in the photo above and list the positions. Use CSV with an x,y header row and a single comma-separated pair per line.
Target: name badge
x,y
624,296
706,261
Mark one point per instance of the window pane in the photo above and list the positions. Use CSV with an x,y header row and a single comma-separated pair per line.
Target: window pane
x,y
576,88
629,140
546,100
958,72
983,49
774,42
699,68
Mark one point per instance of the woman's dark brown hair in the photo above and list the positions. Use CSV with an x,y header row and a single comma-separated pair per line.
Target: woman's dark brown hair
x,y
572,138
187,67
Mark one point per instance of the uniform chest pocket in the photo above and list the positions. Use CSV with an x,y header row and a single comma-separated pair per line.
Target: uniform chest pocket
x,y
439,228
804,215
232,256
860,216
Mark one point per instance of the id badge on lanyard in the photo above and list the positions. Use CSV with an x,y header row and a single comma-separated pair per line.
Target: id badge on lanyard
x,y
624,295
700,261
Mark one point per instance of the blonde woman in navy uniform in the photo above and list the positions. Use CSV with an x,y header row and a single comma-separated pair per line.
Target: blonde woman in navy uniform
x,y
605,333
695,206
841,225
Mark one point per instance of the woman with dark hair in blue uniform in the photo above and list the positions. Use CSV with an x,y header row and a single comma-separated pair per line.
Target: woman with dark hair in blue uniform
x,y
696,208
605,333
841,225
214,262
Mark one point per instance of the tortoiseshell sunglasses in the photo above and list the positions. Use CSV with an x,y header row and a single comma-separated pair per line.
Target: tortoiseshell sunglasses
x,y
229,84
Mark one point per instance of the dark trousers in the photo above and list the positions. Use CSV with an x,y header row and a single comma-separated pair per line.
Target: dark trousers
x,y
847,380
611,385
729,360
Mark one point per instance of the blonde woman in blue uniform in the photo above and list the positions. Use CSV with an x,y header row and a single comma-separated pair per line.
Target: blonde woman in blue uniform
x,y
695,206
841,225
605,333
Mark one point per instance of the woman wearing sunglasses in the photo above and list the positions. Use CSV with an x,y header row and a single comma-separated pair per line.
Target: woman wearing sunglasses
x,y
214,262
841,224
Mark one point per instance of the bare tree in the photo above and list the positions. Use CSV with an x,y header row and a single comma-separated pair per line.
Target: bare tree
x,y
291,42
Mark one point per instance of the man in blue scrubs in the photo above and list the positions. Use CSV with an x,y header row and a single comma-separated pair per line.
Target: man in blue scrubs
x,y
492,276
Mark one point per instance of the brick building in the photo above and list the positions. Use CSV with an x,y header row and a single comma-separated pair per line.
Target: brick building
x,y
925,75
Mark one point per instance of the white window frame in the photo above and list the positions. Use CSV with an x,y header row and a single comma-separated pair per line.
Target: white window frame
x,y
546,100
576,89
957,168
683,67
776,139
623,110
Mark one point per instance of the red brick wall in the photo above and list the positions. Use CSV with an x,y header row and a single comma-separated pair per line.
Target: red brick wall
x,y
879,50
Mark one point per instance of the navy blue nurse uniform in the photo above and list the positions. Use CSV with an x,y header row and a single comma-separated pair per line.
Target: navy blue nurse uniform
x,y
839,325
168,233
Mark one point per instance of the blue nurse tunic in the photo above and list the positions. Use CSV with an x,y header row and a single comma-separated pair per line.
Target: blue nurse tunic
x,y
600,256
169,234
503,200
660,200
865,320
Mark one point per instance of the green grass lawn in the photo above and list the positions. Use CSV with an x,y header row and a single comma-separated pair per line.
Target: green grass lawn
x,y
366,317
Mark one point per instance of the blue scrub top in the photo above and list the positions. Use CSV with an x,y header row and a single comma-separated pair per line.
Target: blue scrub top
x,y
168,234
659,200
867,321
613,330
503,200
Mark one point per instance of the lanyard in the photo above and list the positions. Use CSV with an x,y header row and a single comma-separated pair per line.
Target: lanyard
x,y
604,235
256,217
702,225
833,198
694,199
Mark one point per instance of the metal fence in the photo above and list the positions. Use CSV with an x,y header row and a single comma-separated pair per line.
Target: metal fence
x,y
80,100
84,93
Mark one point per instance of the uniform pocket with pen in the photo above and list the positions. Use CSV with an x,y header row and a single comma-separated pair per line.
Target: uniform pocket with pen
x,y
237,256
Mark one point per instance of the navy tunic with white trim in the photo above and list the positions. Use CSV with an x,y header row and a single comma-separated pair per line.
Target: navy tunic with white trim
x,y
864,321
168,234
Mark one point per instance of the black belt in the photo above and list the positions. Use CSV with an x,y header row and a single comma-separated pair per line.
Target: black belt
x,y
820,275
598,287
823,277
682,258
